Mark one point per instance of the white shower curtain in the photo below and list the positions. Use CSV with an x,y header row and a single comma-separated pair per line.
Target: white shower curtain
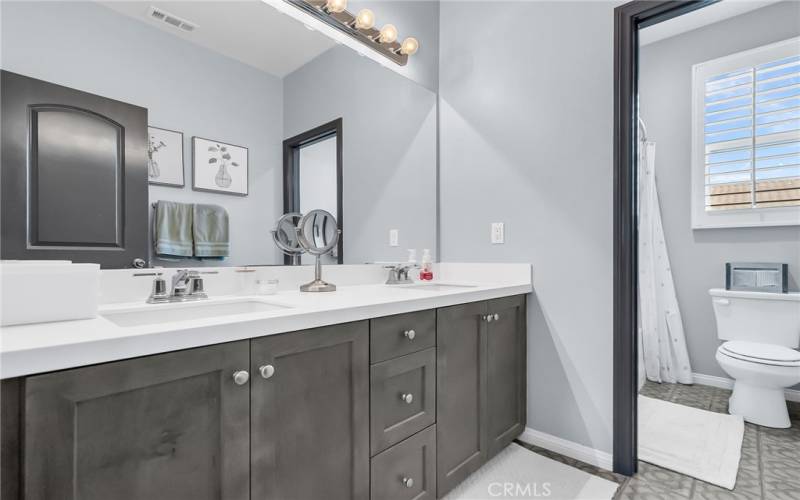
x,y
662,344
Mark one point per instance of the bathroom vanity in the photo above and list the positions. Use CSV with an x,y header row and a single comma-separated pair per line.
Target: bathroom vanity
x,y
373,391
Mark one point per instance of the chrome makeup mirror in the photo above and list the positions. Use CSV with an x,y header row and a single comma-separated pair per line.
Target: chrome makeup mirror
x,y
285,236
318,234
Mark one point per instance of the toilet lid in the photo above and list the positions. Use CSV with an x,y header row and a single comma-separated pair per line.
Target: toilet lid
x,y
764,352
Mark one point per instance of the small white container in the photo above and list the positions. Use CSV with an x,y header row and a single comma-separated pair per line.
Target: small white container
x,y
39,291
266,287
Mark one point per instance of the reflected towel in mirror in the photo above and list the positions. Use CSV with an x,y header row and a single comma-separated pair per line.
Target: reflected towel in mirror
x,y
173,228
210,231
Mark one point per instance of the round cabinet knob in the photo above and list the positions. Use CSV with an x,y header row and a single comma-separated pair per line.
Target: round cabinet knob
x,y
407,397
489,318
139,263
266,371
408,482
241,377
409,334
496,317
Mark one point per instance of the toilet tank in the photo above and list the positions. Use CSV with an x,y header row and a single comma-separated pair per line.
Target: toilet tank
x,y
770,318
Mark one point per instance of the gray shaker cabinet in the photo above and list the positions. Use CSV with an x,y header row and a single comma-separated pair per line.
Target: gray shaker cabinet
x,y
310,414
461,410
506,364
168,427
481,374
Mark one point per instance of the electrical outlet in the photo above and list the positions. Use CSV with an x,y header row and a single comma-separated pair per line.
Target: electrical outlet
x,y
498,233
394,237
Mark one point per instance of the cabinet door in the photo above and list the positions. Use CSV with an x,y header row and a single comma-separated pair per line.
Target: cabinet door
x,y
168,427
461,409
310,414
74,175
507,371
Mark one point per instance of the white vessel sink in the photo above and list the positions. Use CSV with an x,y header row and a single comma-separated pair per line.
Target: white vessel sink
x,y
202,309
435,287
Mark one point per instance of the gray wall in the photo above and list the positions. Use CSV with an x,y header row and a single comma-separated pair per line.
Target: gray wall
x,y
698,256
526,139
389,149
185,87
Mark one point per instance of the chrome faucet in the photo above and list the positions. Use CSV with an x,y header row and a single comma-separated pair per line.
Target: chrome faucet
x,y
186,285
398,274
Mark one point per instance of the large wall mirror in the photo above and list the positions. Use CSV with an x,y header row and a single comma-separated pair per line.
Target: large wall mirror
x,y
225,90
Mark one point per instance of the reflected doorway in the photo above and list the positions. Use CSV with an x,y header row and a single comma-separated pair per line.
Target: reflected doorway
x,y
312,179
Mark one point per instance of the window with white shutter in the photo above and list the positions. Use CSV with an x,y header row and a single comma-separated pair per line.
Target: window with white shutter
x,y
746,138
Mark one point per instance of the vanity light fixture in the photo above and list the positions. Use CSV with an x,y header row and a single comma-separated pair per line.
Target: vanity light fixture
x,y
360,27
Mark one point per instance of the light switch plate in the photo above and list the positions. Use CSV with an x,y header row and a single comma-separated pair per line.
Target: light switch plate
x,y
498,233
394,237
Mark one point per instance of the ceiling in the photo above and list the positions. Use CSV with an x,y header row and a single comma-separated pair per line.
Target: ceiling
x,y
251,32
698,18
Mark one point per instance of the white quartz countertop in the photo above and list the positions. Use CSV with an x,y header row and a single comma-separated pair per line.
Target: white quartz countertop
x,y
43,347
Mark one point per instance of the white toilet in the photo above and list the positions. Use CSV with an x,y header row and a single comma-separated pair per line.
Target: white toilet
x,y
762,334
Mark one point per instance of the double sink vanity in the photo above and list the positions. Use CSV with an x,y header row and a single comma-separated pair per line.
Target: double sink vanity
x,y
373,391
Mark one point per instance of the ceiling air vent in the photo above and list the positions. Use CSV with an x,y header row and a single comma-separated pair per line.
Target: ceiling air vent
x,y
171,19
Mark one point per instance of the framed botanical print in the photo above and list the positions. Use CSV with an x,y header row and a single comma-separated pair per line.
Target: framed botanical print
x,y
165,157
219,167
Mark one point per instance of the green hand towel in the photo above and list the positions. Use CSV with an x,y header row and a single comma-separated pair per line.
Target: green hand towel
x,y
210,231
173,228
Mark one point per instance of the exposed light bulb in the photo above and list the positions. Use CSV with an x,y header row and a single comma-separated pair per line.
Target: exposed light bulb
x,y
365,19
388,33
409,46
335,5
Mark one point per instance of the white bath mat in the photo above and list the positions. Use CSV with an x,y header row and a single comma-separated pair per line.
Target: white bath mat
x,y
517,472
698,443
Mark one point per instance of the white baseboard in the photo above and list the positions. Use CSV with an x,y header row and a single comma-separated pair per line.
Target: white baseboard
x,y
727,383
568,448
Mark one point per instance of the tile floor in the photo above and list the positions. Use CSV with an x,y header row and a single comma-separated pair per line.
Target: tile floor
x,y
769,468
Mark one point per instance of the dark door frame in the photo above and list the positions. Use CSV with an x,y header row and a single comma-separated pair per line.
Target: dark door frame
x,y
291,173
628,19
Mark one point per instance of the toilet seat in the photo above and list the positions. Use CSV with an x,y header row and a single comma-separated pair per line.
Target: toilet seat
x,y
765,354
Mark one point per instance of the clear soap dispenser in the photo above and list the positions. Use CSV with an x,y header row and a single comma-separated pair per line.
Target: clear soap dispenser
x,y
426,273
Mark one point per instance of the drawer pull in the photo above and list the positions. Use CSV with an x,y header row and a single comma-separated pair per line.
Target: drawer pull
x,y
241,377
496,317
408,482
488,318
267,371
409,334
407,397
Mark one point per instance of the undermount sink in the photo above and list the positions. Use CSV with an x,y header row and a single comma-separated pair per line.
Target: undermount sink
x,y
435,287
165,313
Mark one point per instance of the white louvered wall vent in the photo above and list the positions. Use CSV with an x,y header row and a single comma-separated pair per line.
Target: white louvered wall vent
x,y
171,19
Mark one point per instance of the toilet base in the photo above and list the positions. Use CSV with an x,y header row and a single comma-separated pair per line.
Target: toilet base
x,y
759,405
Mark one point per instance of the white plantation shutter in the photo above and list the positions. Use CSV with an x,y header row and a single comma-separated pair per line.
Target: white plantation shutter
x,y
777,133
748,108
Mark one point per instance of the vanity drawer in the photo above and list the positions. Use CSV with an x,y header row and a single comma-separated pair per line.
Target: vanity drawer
x,y
393,336
402,398
406,471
